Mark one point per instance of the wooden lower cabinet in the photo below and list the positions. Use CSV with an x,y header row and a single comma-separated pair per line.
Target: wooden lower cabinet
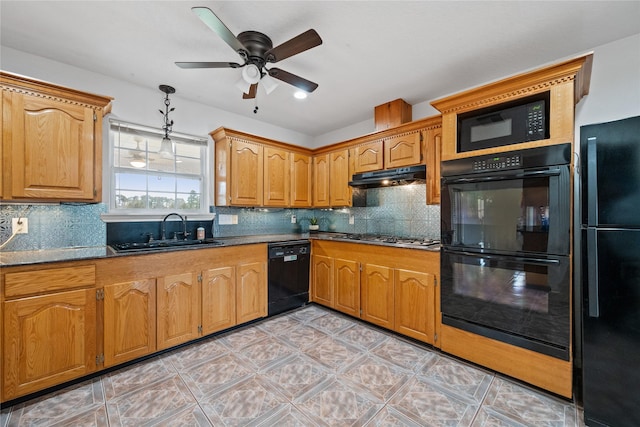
x,y
48,339
412,291
129,320
218,299
346,286
322,280
70,319
251,292
391,287
377,295
178,303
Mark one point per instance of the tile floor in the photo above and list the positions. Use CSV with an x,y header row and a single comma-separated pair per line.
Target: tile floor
x,y
309,367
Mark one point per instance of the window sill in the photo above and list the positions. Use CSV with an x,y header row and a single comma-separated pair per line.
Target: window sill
x,y
152,217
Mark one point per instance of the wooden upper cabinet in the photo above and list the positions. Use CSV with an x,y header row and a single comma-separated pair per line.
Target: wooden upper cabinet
x,y
339,190
51,141
277,177
433,150
391,114
403,150
301,179
368,157
255,171
246,173
321,180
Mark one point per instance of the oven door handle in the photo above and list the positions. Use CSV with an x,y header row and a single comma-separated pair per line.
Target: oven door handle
x,y
504,176
525,260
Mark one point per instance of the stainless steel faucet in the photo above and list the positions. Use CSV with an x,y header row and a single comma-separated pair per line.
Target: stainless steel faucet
x,y
175,236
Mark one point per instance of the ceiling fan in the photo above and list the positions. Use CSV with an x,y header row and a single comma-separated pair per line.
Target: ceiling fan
x,y
256,50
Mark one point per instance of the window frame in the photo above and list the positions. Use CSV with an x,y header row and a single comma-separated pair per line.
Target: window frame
x,y
115,214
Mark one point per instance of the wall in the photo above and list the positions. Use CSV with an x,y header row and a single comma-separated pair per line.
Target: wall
x,y
614,94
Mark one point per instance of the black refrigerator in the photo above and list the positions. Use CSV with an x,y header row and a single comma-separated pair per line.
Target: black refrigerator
x,y
610,272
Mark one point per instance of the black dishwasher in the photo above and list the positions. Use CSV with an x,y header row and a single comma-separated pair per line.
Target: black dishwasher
x,y
288,275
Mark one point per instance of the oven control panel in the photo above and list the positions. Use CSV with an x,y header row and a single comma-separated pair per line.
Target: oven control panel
x,y
512,161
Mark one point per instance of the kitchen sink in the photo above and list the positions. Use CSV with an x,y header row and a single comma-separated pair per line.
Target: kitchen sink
x,y
163,245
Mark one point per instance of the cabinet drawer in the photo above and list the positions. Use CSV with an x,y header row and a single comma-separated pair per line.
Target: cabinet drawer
x,y
49,280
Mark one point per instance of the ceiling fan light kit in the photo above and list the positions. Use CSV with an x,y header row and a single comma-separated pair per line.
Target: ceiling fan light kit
x,y
256,50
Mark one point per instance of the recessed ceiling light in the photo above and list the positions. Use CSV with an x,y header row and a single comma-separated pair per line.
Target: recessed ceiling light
x,y
300,94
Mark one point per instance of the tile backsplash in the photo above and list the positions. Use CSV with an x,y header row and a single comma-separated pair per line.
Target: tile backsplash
x,y
54,226
400,211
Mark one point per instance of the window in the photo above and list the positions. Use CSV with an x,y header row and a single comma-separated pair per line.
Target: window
x,y
144,181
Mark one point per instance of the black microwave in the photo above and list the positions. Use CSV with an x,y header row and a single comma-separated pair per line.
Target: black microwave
x,y
523,120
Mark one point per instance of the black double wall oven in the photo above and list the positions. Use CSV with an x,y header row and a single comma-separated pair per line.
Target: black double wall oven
x,y
506,240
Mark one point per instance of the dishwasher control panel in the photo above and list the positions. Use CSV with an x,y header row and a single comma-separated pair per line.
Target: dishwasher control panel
x,y
288,252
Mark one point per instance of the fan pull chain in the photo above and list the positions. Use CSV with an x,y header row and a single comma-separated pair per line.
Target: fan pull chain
x,y
255,104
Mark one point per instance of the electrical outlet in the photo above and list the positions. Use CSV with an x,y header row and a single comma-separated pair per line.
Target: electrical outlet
x,y
293,219
22,227
352,219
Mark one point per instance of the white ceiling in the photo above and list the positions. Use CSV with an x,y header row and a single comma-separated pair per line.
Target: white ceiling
x,y
372,51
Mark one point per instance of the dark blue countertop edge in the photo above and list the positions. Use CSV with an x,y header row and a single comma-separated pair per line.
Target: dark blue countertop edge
x,y
24,258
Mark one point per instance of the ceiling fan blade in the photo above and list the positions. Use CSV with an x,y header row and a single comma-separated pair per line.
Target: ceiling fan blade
x,y
252,92
207,16
292,79
208,65
300,43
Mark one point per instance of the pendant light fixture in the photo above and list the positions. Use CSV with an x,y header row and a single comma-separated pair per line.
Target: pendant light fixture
x,y
167,147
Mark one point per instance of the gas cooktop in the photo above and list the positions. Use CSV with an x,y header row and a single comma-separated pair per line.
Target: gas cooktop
x,y
391,239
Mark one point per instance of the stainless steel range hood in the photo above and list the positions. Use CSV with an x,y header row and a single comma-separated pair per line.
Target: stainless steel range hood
x,y
389,177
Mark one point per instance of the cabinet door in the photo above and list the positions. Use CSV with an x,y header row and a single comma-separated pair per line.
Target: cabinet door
x,y
322,280
129,321
378,295
347,286
339,190
251,292
403,150
433,148
246,173
48,340
368,157
53,149
415,305
218,299
321,181
277,177
300,180
178,309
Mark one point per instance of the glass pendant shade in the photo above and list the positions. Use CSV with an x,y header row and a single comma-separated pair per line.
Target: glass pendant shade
x,y
167,148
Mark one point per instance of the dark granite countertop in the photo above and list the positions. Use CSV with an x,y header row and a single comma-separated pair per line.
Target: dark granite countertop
x,y
18,258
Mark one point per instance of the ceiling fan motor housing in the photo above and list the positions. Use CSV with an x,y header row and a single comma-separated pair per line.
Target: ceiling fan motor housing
x,y
257,45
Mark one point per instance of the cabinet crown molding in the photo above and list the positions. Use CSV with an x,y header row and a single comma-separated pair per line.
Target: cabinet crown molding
x,y
26,85
521,85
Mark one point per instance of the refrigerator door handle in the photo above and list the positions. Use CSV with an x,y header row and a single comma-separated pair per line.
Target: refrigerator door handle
x,y
592,272
592,182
